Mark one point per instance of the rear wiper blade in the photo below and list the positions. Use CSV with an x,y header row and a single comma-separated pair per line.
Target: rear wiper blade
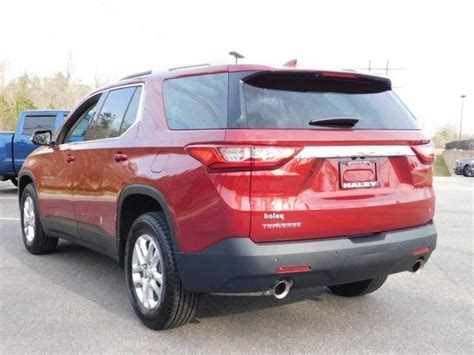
x,y
335,122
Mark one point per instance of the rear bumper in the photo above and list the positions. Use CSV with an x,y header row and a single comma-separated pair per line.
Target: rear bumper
x,y
239,265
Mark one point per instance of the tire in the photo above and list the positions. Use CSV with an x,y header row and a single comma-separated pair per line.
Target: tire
x,y
159,306
468,171
358,288
34,237
14,181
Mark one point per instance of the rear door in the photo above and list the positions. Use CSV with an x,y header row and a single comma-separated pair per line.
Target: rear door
x,y
358,165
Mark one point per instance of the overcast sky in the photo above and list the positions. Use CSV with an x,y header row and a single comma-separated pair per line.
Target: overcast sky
x,y
432,41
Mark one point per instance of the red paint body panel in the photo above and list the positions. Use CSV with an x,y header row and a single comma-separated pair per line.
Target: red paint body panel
x,y
206,207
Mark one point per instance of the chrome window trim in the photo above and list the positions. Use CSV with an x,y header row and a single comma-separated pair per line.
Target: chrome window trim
x,y
137,119
355,151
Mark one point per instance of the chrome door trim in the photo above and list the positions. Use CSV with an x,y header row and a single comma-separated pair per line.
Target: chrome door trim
x,y
355,151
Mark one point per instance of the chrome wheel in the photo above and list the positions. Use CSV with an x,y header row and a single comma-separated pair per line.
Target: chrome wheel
x,y
469,171
29,219
147,271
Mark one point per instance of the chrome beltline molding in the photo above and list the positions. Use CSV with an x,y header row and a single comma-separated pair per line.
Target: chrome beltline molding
x,y
355,151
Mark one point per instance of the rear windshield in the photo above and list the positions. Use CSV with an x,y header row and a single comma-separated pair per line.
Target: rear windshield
x,y
281,101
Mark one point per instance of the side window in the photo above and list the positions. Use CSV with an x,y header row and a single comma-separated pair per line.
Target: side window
x,y
34,123
107,123
132,111
196,102
78,131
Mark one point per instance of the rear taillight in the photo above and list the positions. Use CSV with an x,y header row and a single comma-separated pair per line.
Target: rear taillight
x,y
237,158
425,153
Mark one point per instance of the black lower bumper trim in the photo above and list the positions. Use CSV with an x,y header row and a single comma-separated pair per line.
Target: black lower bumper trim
x,y
240,265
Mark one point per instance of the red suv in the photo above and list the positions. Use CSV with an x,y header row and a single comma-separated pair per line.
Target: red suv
x,y
239,179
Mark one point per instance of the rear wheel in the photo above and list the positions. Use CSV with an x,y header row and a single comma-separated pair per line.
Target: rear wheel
x,y
152,277
358,288
468,171
34,238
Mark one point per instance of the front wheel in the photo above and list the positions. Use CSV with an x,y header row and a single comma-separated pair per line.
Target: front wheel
x,y
152,278
34,238
358,288
468,171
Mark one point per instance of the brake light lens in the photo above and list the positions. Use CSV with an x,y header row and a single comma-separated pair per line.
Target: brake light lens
x,y
425,153
335,74
237,158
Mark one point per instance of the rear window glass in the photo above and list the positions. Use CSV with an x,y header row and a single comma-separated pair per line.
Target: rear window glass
x,y
291,101
35,123
196,102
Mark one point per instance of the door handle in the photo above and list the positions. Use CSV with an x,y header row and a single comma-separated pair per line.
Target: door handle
x,y
70,158
118,157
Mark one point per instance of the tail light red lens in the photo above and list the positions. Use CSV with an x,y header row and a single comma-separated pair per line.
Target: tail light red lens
x,y
422,250
288,269
232,158
425,153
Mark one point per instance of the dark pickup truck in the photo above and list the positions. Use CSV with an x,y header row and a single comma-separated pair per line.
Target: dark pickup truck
x,y
16,146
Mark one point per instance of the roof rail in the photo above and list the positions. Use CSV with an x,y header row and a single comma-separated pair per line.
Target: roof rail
x,y
136,75
190,66
148,72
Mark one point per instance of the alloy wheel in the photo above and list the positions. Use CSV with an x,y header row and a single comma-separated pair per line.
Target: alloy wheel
x,y
29,219
147,271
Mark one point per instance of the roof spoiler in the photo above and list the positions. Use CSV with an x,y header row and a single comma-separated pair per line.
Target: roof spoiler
x,y
332,81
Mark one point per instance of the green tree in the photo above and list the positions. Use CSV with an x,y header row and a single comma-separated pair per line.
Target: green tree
x,y
6,121
23,103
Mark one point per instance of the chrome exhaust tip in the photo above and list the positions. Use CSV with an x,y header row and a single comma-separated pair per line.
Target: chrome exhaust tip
x,y
418,266
282,289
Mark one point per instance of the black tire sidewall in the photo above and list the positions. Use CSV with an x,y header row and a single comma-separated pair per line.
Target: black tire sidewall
x,y
145,226
467,171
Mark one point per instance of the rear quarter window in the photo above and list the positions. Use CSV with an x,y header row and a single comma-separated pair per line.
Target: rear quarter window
x,y
196,102
34,123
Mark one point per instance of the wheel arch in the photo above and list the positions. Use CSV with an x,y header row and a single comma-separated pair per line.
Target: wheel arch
x,y
149,198
24,179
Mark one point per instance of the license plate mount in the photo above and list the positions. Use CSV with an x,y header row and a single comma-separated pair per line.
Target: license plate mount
x,y
358,173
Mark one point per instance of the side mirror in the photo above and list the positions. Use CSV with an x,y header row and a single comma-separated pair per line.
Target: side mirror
x,y
42,137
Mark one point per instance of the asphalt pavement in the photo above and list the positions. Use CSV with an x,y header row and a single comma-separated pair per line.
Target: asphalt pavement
x,y
75,301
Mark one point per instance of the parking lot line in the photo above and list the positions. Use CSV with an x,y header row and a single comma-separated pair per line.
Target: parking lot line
x,y
9,218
